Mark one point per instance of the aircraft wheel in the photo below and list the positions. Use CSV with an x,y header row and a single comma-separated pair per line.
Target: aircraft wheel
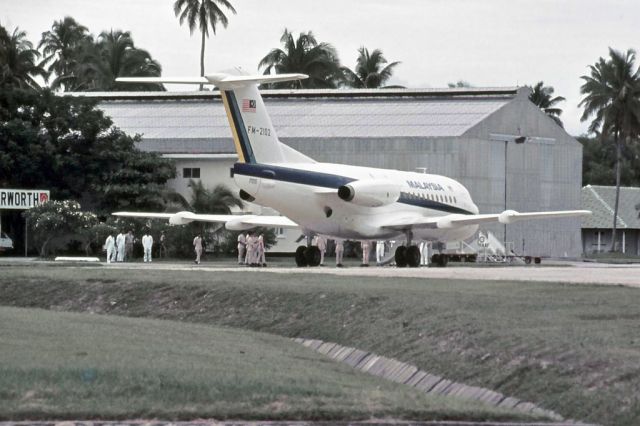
x,y
301,259
435,259
401,257
413,256
444,259
313,256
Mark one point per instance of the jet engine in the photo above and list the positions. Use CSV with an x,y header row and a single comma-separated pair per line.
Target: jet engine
x,y
181,218
239,224
370,192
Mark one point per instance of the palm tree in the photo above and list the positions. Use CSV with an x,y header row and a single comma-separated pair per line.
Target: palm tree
x,y
304,55
218,200
371,71
115,55
612,96
18,60
203,14
62,50
541,95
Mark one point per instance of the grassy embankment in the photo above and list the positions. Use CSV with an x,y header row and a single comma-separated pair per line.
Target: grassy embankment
x,y
571,349
79,366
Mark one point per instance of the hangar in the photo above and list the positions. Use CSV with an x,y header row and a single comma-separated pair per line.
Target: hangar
x,y
498,144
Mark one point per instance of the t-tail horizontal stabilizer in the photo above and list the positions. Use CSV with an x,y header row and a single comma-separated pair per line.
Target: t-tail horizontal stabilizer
x,y
253,133
223,81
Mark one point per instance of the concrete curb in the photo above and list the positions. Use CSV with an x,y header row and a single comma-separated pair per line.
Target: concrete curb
x,y
400,372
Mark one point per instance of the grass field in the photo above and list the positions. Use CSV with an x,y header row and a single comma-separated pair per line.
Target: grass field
x,y
571,349
79,366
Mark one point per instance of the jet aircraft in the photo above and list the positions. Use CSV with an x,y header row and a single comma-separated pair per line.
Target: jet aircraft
x,y
336,200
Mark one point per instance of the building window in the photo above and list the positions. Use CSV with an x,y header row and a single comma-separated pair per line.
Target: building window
x,y
191,172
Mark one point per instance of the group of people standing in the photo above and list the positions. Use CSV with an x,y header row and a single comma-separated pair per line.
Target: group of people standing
x,y
120,248
251,249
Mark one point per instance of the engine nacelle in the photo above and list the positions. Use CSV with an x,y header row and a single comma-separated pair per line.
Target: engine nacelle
x,y
238,224
181,218
370,192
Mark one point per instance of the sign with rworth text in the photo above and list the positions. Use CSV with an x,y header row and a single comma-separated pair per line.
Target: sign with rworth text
x,y
22,198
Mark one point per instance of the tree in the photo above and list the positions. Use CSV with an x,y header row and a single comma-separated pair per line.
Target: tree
x,y
18,61
203,14
218,200
612,97
599,158
371,71
304,55
57,219
115,55
542,97
68,146
62,48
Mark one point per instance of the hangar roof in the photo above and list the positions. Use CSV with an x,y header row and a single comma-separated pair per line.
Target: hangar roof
x,y
601,199
193,122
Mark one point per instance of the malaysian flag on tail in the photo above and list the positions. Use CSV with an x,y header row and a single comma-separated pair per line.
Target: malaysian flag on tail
x,y
248,105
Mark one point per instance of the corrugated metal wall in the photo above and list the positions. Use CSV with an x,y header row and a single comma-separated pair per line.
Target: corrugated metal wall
x,y
544,175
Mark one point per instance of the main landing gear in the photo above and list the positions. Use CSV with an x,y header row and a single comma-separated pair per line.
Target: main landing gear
x,y
407,256
307,256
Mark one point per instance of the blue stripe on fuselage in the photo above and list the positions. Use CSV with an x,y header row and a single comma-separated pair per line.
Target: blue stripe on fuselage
x,y
328,180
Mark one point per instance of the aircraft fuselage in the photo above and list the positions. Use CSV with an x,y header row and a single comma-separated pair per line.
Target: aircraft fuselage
x,y
308,194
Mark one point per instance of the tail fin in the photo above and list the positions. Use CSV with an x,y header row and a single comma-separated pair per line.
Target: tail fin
x,y
253,133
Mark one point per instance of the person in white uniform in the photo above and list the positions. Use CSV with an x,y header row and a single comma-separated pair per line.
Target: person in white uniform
x,y
197,246
242,243
147,244
379,252
339,251
366,246
110,245
321,243
424,253
120,240
262,261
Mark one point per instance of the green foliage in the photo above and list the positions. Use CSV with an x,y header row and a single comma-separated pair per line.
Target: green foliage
x,y
68,146
63,49
612,98
203,14
114,55
218,200
542,97
18,60
612,95
599,159
372,70
304,55
56,219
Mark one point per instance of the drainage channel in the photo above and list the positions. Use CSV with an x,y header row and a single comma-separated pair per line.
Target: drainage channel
x,y
400,372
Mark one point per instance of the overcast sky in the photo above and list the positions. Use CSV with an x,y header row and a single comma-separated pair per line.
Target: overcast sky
x,y
485,42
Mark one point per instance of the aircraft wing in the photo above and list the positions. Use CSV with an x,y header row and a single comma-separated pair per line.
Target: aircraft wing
x,y
231,221
459,220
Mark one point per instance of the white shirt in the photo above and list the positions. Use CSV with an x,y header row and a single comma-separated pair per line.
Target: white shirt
x,y
147,241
